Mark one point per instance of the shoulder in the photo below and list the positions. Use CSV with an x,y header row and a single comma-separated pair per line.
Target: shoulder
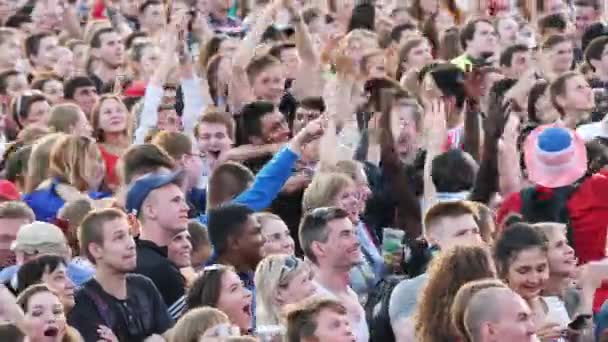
x,y
405,297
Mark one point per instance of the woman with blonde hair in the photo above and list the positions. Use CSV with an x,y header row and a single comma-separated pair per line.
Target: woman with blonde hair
x,y
111,123
70,119
448,272
280,280
198,324
38,163
277,238
75,169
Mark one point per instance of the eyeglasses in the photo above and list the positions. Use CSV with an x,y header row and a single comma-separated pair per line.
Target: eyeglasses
x,y
289,264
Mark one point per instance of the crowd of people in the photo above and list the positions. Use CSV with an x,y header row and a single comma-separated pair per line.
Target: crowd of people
x,y
303,170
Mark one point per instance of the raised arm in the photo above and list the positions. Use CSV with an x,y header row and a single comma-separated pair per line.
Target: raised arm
x,y
154,90
240,91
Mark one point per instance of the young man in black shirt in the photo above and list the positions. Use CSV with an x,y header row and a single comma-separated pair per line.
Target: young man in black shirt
x,y
160,204
129,305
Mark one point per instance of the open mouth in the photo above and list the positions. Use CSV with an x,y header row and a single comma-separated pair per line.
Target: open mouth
x,y
247,309
214,154
51,332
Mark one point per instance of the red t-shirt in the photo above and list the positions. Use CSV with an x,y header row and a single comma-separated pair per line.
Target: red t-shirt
x,y
588,210
110,160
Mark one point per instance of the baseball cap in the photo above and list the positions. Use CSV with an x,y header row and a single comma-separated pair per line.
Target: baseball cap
x,y
8,191
39,237
140,189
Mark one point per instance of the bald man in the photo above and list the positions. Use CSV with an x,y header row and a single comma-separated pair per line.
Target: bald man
x,y
507,319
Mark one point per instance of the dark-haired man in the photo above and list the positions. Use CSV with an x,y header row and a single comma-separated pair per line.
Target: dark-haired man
x,y
330,242
108,49
82,91
479,42
237,240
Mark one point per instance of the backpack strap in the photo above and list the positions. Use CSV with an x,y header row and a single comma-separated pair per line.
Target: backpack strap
x,y
102,307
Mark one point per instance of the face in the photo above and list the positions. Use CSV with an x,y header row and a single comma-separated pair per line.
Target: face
x,y
16,85
269,84
82,126
112,116
342,248
407,139
561,256
520,62
53,89
289,58
507,31
484,39
170,208
515,321
376,66
180,249
65,65
528,273
579,95
274,128
129,7
80,56
111,51
168,120
61,285
38,114
86,97
193,165
303,117
347,199
153,18
8,233
299,287
10,51
117,251
220,6
44,318
277,238
333,327
456,231
47,53
419,56
251,241
235,300
561,57
584,17
213,139
150,58
429,7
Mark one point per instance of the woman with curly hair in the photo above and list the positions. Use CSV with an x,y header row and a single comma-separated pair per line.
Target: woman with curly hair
x,y
448,272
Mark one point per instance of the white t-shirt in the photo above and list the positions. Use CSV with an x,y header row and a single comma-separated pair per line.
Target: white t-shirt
x,y
592,130
356,313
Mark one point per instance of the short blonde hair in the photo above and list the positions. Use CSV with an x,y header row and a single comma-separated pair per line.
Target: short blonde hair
x,y
323,189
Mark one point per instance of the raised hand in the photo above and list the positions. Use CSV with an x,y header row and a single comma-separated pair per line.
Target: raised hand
x,y
435,126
